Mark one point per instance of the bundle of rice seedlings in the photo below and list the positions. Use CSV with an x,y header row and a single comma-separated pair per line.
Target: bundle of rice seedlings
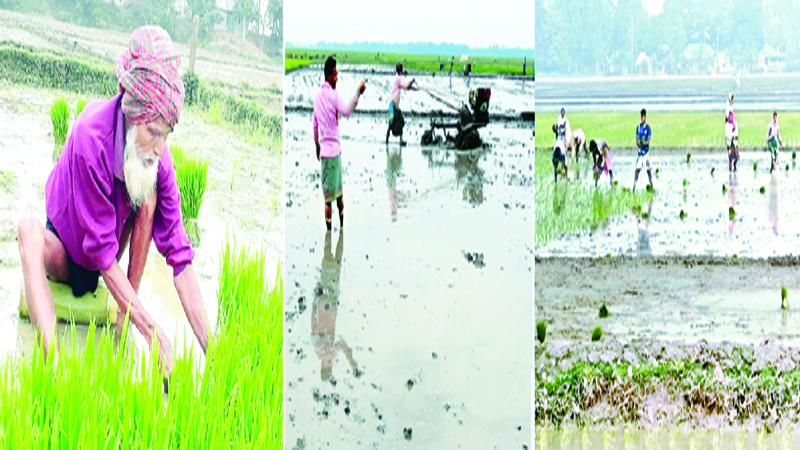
x,y
59,115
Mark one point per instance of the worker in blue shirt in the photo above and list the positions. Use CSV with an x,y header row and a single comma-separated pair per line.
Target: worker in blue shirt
x,y
643,143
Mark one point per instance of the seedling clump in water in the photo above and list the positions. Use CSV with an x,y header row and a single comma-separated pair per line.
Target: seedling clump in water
x,y
762,190
688,157
755,166
192,177
682,214
79,106
597,333
603,311
784,298
724,189
685,183
59,115
731,212
541,330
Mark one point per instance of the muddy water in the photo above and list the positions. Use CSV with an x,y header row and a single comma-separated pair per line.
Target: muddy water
x,y
241,199
571,437
766,224
417,316
508,96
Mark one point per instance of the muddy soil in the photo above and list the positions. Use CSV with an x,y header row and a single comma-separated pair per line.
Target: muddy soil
x,y
411,327
668,298
765,225
763,92
242,199
509,97
257,70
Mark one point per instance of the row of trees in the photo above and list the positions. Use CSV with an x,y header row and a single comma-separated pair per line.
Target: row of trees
x,y
173,16
608,36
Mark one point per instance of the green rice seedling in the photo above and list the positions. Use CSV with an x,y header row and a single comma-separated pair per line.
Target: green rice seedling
x,y
762,190
648,188
192,177
731,213
657,171
755,166
685,182
712,171
541,330
107,396
724,189
682,214
597,333
787,167
603,311
79,106
688,157
784,298
645,216
794,154
59,115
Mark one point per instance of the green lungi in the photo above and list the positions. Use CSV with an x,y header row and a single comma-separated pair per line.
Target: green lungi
x,y
332,178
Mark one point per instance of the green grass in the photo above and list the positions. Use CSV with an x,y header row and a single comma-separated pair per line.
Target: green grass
x,y
573,207
429,63
191,175
106,397
678,130
59,116
691,385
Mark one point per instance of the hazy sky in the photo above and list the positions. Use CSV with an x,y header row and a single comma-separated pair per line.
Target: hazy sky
x,y
653,7
507,23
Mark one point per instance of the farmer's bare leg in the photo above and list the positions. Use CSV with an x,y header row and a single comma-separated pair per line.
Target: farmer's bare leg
x,y
611,178
340,205
328,214
635,179
42,254
650,177
555,171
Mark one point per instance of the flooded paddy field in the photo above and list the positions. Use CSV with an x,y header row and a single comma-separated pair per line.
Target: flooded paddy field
x,y
765,224
242,199
509,97
410,327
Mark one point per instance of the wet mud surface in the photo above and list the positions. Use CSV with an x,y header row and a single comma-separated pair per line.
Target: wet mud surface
x,y
242,199
765,225
410,328
509,97
685,299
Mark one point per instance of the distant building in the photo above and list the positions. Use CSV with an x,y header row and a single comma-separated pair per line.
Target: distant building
x,y
228,22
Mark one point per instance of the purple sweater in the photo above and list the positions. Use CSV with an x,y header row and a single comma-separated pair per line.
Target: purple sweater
x,y
87,201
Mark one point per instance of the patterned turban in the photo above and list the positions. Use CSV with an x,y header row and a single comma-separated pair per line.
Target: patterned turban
x,y
148,78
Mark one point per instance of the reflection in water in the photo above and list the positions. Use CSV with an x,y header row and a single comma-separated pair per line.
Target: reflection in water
x,y
468,173
733,194
643,244
394,162
325,309
773,202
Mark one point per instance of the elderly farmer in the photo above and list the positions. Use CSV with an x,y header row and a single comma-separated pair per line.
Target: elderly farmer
x,y
396,121
327,107
113,184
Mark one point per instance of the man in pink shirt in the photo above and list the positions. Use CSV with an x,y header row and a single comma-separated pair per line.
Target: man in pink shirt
x,y
396,121
327,107
114,183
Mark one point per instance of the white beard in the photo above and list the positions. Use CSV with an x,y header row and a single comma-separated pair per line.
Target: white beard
x,y
140,178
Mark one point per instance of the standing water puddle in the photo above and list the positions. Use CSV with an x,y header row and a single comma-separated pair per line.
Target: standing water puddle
x,y
414,323
766,224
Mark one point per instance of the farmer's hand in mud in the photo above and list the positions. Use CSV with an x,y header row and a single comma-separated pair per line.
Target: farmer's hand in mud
x,y
362,87
165,353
